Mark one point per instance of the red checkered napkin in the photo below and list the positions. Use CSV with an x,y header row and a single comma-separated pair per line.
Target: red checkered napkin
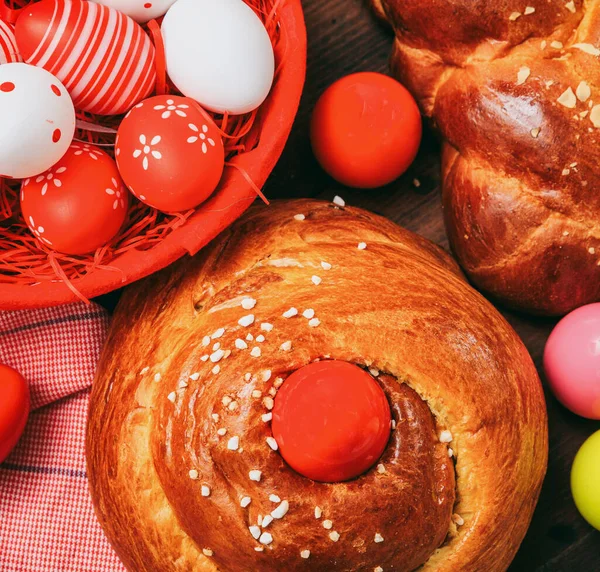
x,y
47,522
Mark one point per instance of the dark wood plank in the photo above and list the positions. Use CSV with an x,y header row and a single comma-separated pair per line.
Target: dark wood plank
x,y
343,38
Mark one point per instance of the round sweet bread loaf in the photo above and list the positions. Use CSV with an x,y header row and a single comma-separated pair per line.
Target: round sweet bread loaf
x,y
184,471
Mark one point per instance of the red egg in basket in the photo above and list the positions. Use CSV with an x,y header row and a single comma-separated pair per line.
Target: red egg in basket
x,y
79,204
170,153
104,58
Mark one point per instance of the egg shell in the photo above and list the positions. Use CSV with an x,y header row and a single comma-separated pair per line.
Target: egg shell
x,y
170,153
104,59
572,361
311,425
15,404
218,53
79,204
585,480
37,120
140,10
8,44
366,130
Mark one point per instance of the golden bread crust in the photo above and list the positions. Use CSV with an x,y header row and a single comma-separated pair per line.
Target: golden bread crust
x,y
448,361
514,94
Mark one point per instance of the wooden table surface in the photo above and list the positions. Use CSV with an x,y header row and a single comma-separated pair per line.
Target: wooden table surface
x,y
343,38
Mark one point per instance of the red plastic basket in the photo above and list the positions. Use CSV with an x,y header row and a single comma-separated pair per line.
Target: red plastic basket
x,y
233,196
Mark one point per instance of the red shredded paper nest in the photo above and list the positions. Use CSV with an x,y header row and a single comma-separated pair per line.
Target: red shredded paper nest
x,y
31,275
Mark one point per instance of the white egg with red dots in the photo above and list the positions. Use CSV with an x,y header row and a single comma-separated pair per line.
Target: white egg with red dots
x,y
37,120
219,53
141,11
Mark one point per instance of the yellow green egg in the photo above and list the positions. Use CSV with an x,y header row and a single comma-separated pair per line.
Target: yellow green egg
x,y
585,480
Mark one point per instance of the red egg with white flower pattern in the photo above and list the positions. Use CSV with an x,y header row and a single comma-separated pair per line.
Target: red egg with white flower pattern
x,y
79,204
8,44
104,58
170,153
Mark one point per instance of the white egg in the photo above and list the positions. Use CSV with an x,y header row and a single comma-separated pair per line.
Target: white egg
x,y
37,120
219,53
140,10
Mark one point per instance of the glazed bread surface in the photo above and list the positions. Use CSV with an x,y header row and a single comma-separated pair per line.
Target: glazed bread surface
x,y
180,412
514,89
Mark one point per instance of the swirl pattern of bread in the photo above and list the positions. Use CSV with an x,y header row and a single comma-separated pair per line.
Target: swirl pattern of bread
x,y
514,89
184,472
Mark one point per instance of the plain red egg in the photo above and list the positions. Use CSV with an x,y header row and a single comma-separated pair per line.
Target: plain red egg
x,y
331,420
14,408
366,130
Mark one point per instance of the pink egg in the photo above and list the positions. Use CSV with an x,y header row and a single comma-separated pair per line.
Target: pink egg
x,y
572,361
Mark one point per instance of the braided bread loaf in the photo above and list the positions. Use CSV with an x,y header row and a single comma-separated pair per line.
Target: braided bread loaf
x,y
513,86
181,460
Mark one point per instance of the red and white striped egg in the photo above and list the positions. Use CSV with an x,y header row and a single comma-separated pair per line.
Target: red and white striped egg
x,y
8,44
104,58
140,10
79,204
